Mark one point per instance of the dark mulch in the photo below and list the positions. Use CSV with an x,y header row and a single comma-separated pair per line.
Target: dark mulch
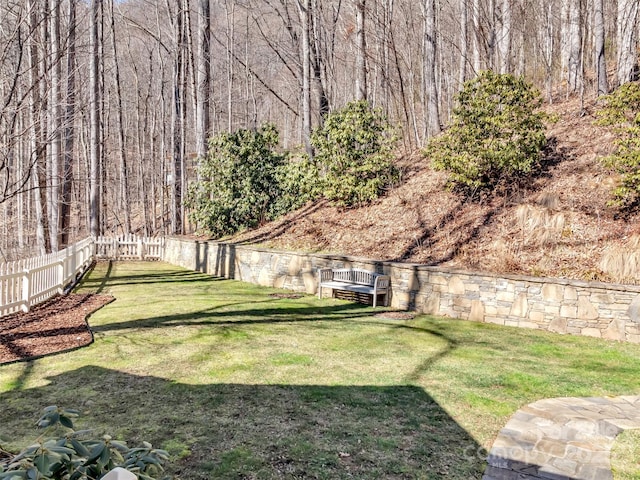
x,y
396,315
57,325
286,295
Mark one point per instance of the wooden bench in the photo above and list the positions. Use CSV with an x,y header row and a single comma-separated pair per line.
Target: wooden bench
x,y
354,280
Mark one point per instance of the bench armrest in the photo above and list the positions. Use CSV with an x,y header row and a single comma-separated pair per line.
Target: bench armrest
x,y
381,283
325,275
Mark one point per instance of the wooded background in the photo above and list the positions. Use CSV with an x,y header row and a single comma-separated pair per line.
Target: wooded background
x,y
107,105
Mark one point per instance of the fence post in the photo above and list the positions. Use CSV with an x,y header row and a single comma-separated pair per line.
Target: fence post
x,y
141,252
61,278
26,290
74,261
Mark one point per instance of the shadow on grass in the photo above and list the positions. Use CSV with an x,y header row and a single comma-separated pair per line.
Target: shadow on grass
x,y
261,431
109,279
241,313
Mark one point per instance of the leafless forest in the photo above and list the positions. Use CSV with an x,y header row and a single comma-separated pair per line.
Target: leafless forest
x,y
107,105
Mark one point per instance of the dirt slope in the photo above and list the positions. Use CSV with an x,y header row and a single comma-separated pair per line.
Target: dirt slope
x,y
559,225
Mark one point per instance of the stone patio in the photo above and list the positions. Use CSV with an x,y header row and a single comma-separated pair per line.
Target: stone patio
x,y
562,439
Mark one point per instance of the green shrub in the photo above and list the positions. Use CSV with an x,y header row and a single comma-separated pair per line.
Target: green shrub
x,y
355,149
62,453
298,183
237,181
622,110
495,136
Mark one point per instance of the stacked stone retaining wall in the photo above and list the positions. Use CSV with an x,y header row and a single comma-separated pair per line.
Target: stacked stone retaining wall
x,y
563,306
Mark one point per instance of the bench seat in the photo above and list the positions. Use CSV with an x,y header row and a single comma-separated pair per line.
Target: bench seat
x,y
354,280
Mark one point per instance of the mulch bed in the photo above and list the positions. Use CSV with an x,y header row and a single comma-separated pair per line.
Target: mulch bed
x,y
286,295
396,315
57,325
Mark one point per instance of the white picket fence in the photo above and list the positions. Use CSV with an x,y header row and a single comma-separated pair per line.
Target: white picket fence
x,y
129,247
25,283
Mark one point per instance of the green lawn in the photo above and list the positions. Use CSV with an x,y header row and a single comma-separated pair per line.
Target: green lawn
x,y
238,383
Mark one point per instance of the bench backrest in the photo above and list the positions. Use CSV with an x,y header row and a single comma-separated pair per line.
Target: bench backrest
x,y
355,275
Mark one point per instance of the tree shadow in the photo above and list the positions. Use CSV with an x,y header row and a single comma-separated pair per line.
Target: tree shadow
x,y
228,430
258,312
469,230
109,278
284,223
465,233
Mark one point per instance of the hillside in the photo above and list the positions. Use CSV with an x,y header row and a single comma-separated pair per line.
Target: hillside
x,y
559,225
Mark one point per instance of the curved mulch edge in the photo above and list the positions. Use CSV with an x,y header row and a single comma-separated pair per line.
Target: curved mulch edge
x,y
59,325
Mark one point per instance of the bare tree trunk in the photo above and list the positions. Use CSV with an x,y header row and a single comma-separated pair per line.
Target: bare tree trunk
x,y
230,61
548,50
55,118
627,40
504,37
94,121
304,7
492,36
477,41
464,42
430,56
574,47
177,125
203,120
318,61
36,68
125,204
69,130
361,51
599,31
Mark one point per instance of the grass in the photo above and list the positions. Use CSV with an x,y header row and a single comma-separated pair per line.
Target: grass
x,y
625,456
237,383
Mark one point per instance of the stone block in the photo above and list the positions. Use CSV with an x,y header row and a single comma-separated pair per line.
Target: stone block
x,y
604,298
531,325
534,290
591,332
295,265
462,303
438,280
456,286
310,282
619,307
552,310
477,311
495,320
570,294
568,311
520,306
537,317
504,296
264,278
472,287
615,330
634,310
552,293
280,281
492,310
558,325
632,329
432,304
586,310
